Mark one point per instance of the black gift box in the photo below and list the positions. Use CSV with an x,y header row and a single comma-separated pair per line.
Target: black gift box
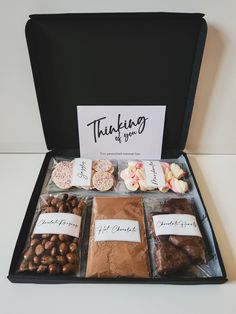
x,y
112,59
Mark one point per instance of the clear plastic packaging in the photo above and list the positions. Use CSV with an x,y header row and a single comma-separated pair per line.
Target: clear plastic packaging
x,y
66,174
127,259
152,176
183,251
117,242
54,242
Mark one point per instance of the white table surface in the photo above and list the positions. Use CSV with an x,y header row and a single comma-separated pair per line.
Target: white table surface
x,y
216,177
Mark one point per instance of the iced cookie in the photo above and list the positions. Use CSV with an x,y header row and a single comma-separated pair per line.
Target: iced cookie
x,y
103,181
62,173
102,165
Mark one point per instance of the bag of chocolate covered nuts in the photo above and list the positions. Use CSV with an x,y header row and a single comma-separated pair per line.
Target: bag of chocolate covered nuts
x,y
54,243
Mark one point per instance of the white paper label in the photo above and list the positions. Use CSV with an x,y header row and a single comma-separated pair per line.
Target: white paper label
x,y
58,223
154,174
176,224
121,132
82,172
117,230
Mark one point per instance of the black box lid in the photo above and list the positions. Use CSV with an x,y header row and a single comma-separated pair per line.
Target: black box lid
x,y
112,59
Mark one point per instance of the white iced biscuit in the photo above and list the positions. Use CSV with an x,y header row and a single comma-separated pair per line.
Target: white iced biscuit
x,y
102,165
103,181
62,174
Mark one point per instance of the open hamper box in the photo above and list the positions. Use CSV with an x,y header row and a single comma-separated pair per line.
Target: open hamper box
x,y
116,59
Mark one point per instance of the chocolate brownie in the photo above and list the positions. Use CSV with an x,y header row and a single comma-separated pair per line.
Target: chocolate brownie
x,y
175,253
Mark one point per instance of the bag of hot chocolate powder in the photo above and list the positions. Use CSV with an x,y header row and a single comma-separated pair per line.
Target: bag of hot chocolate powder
x,y
117,242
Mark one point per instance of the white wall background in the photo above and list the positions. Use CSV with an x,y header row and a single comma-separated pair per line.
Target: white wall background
x,y
213,125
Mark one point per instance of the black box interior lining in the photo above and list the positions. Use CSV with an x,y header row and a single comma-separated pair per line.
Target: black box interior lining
x,y
112,59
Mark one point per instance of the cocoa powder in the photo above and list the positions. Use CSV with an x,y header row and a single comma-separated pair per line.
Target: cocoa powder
x,y
110,259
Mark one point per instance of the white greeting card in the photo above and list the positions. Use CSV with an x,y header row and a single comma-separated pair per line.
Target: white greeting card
x,y
121,132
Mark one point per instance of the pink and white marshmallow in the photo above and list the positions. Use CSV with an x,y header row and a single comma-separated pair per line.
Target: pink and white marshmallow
x,y
178,172
131,185
178,186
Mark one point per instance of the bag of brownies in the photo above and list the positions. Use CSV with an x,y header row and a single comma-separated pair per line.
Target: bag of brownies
x,y
176,241
54,243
